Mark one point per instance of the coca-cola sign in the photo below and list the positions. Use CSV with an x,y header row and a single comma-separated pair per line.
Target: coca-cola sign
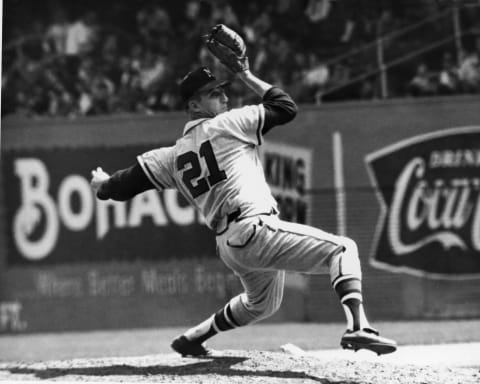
x,y
429,191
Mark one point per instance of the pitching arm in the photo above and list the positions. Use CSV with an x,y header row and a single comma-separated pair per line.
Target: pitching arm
x,y
122,185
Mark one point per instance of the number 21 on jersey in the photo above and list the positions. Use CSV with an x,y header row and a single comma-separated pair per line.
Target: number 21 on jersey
x,y
191,164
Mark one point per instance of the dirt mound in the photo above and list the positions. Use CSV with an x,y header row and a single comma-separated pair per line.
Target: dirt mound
x,y
234,367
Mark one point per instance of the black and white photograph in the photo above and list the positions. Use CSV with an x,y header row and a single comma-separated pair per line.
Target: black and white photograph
x,y
219,191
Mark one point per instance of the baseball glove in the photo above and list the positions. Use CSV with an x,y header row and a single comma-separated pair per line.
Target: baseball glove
x,y
228,47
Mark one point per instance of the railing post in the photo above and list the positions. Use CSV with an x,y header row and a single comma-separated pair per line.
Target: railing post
x,y
382,68
457,31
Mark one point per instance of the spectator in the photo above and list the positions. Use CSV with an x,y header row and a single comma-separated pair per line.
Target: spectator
x,y
263,24
86,72
469,73
60,100
81,35
260,58
192,10
96,95
110,57
127,72
137,53
315,77
422,83
249,30
279,51
130,93
197,18
101,93
136,98
61,103
351,12
154,26
339,76
152,71
448,76
318,10
57,33
35,45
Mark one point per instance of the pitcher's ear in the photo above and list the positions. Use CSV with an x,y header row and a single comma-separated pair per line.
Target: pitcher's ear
x,y
193,105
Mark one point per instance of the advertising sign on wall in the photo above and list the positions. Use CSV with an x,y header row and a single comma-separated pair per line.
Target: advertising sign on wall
x,y
53,216
429,190
288,171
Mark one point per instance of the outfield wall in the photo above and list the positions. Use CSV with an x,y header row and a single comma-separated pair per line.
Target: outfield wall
x,y
69,261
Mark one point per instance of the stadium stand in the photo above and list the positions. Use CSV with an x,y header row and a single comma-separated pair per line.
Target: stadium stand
x,y
62,58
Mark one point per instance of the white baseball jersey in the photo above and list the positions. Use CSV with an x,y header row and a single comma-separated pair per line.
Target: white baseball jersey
x,y
216,165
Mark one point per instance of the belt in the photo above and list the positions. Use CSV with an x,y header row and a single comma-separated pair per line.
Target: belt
x,y
233,215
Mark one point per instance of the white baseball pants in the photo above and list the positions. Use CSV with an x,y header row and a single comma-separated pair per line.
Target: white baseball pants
x,y
260,249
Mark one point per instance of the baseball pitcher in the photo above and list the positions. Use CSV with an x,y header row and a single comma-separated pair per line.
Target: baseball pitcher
x,y
216,166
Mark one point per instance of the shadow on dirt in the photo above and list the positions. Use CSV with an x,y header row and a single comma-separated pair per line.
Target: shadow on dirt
x,y
221,366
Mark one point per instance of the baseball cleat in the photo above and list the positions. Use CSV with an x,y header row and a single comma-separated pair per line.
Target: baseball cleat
x,y
367,338
187,347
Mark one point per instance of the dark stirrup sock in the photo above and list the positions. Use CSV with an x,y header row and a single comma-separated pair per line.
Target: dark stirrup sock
x,y
349,290
221,321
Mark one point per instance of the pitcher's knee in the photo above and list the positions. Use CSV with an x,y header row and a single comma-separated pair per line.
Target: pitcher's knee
x,y
347,262
350,245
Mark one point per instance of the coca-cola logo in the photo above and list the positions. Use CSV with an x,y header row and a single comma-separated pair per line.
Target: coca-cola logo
x,y
429,191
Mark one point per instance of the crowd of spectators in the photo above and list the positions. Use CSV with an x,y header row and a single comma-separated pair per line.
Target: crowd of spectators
x,y
94,58
450,78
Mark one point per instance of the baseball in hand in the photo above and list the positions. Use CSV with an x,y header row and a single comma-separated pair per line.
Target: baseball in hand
x,y
99,176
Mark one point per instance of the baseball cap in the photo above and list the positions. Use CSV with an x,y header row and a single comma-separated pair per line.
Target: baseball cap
x,y
199,80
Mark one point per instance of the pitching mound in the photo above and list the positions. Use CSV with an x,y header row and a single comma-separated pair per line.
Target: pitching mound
x,y
234,367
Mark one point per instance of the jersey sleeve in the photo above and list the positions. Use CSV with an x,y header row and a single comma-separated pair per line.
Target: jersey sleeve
x,y
158,166
246,123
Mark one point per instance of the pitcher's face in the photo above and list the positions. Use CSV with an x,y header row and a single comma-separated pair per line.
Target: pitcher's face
x,y
210,103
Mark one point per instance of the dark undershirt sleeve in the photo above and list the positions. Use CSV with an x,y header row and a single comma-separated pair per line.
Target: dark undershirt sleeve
x,y
125,184
279,108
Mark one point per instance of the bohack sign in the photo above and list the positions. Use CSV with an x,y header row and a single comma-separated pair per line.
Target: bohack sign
x,y
429,190
53,216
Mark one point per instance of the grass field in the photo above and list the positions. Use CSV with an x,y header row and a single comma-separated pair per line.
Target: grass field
x,y
264,336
